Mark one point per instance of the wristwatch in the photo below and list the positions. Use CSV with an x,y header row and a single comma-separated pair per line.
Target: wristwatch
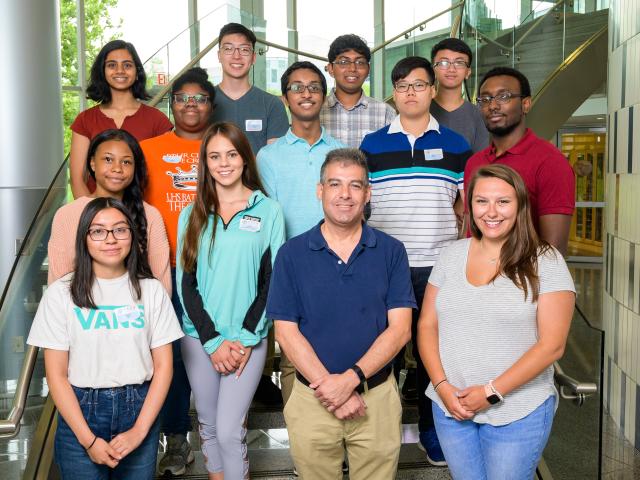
x,y
360,374
493,396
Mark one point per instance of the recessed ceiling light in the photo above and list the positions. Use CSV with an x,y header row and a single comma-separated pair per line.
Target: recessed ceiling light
x,y
599,118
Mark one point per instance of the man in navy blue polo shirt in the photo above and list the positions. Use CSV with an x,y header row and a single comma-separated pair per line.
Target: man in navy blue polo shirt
x,y
417,168
341,298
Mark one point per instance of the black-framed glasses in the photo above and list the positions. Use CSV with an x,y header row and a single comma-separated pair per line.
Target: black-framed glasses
x,y
501,98
183,98
244,50
360,63
101,234
418,86
445,64
301,87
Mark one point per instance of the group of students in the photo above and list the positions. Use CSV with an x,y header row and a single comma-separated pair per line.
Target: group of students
x,y
159,270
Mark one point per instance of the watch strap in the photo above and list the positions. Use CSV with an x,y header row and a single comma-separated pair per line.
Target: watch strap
x,y
360,373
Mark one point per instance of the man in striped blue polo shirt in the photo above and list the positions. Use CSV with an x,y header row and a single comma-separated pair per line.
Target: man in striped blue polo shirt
x,y
416,171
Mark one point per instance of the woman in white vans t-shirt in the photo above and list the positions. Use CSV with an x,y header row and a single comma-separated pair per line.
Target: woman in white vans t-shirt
x,y
107,330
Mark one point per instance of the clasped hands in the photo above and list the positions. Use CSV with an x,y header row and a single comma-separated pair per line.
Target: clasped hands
x,y
110,454
463,404
230,357
336,393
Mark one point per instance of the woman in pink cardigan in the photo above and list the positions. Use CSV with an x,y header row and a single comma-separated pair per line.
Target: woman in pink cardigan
x,y
117,164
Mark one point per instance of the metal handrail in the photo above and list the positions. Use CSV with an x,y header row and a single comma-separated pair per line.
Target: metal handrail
x,y
417,25
533,26
537,22
577,391
166,88
577,52
10,426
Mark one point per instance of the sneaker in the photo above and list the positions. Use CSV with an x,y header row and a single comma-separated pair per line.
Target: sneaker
x,y
177,456
431,446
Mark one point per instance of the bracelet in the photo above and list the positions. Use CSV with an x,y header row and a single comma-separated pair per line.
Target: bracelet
x,y
95,437
435,388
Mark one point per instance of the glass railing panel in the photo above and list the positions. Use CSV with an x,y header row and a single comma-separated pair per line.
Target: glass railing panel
x,y
20,301
546,35
574,447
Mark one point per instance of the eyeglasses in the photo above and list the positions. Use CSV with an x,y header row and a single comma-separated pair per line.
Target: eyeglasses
x,y
445,64
345,63
183,98
418,86
300,88
101,234
501,98
245,50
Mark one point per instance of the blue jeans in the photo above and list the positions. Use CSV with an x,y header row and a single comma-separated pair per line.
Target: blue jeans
x,y
479,451
175,411
108,412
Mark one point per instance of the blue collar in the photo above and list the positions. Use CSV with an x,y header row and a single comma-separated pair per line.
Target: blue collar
x,y
292,138
318,242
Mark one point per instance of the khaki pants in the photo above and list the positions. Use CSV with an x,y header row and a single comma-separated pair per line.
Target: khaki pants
x,y
287,377
317,438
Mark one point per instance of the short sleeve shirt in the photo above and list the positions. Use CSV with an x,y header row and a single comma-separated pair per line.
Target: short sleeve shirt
x,y
172,170
350,125
259,114
109,346
483,330
340,308
545,170
147,122
290,171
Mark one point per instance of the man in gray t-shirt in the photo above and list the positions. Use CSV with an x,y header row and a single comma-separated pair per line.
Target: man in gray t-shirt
x,y
260,115
451,60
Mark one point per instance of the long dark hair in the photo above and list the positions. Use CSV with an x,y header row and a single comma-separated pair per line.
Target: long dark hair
x,y
519,253
207,201
136,264
98,88
133,194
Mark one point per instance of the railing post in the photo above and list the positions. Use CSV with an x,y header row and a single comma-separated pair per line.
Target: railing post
x,y
377,80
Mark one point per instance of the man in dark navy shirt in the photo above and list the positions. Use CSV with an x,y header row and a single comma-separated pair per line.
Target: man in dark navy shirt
x,y
341,298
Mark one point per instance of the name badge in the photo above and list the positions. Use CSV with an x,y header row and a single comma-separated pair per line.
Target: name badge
x,y
253,125
250,224
127,313
433,154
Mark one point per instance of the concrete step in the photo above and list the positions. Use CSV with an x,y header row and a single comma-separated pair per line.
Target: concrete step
x,y
276,464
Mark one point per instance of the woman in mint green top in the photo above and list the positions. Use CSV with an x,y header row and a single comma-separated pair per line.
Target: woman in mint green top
x,y
227,241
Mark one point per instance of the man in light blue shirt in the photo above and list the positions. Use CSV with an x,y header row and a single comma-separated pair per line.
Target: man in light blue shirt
x,y
290,166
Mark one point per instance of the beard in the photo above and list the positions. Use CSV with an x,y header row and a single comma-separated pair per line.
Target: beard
x,y
504,130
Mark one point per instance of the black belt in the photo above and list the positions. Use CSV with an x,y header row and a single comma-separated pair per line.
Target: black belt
x,y
371,382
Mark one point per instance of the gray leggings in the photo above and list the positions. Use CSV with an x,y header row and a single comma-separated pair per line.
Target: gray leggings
x,y
222,403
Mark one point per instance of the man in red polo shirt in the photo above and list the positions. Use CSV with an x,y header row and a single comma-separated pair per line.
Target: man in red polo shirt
x,y
505,100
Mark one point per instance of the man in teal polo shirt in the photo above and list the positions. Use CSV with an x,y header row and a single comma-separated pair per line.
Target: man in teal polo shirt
x,y
290,166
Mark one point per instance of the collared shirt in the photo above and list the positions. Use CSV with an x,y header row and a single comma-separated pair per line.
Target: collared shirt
x,y
414,183
549,178
290,172
350,125
340,308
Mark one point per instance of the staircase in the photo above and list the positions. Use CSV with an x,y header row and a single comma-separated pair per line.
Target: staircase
x,y
269,449
542,50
